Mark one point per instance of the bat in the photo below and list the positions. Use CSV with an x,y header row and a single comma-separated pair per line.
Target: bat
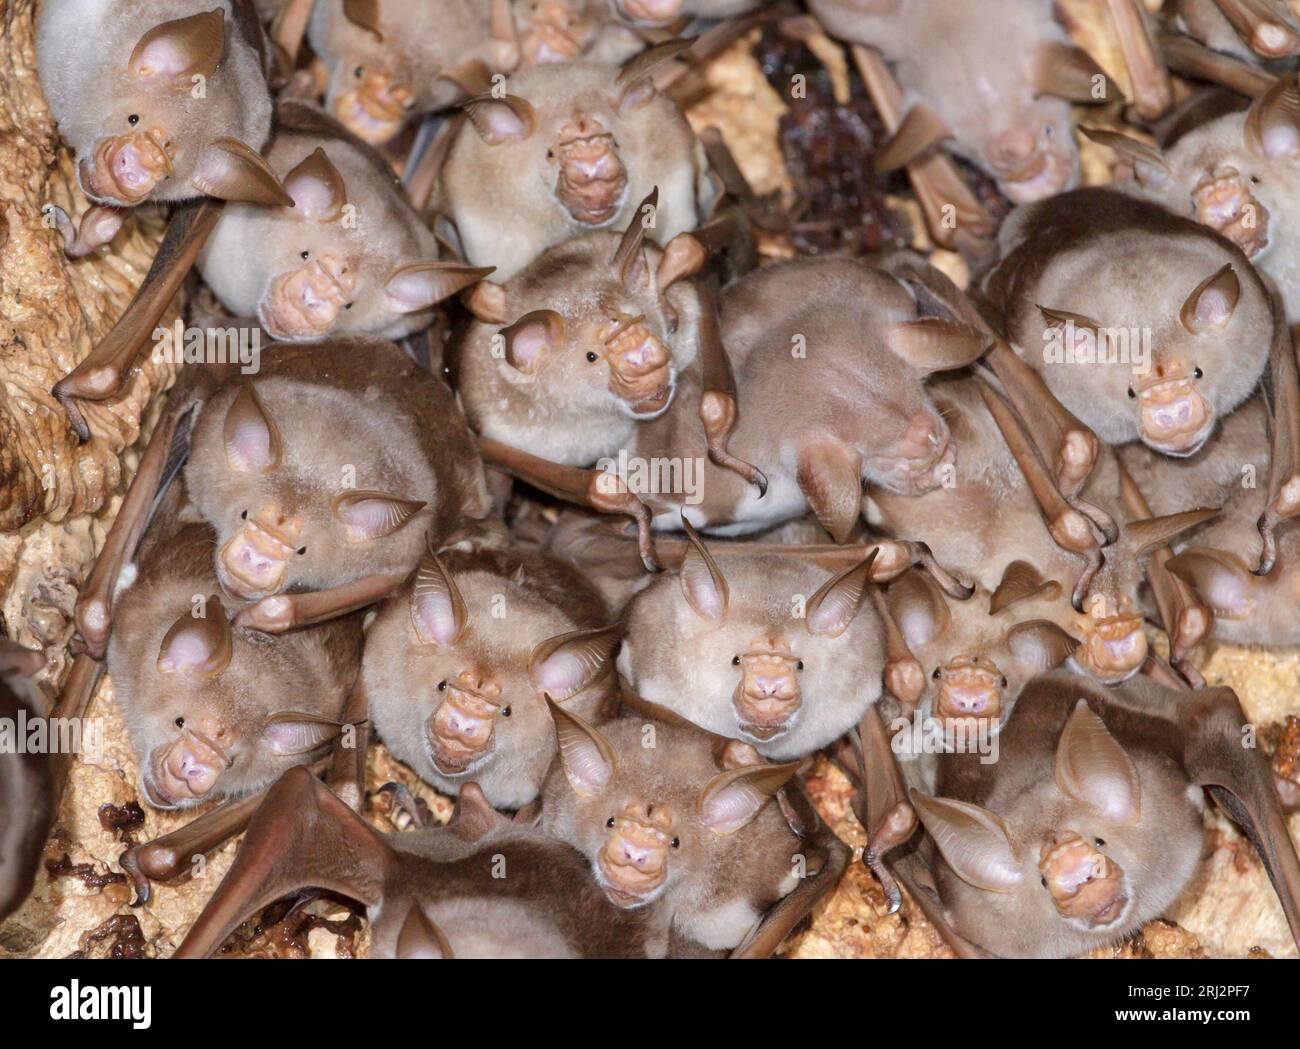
x,y
459,661
350,256
665,12
1089,824
772,651
28,795
698,850
1246,29
565,30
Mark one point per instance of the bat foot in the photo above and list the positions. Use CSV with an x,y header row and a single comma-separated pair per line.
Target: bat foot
x,y
76,420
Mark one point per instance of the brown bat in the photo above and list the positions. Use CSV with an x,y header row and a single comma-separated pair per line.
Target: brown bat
x,y
28,793
1088,825
665,833
565,30
1169,331
212,709
350,256
773,651
459,662
1003,99
168,104
574,148
389,60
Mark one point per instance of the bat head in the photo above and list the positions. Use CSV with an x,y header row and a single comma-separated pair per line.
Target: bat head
x,y
373,82
197,710
779,655
558,30
279,469
665,12
458,673
647,806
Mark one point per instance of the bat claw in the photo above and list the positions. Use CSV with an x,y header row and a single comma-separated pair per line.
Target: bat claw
x,y
76,420
130,864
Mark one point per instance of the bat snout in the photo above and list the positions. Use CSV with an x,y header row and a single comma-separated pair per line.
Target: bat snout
x,y
187,769
376,109
768,695
557,33
254,562
1085,884
592,179
462,730
1115,647
125,169
1225,203
969,689
633,862
1029,166
1175,418
655,11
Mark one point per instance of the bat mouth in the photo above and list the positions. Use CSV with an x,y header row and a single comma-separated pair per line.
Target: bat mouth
x,y
1043,176
653,404
916,476
374,112
1226,204
304,303
183,772
462,730
969,692
650,12
1087,886
592,181
125,169
253,563
557,34
632,867
1175,418
1114,649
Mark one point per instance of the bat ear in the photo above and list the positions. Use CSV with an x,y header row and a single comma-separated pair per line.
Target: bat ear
x,y
564,665
917,608
703,583
1020,582
498,120
635,82
1273,123
1147,533
1092,768
438,611
973,840
420,937
473,817
832,608
731,799
251,436
1067,72
317,188
1221,579
1209,307
934,344
586,755
174,52
290,732
373,515
630,259
419,285
1148,162
364,14
230,170
1040,644
198,646
531,338
684,256
488,303
920,131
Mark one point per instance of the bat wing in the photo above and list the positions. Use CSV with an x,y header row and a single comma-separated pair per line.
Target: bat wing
x,y
1216,757
302,836
28,797
1284,453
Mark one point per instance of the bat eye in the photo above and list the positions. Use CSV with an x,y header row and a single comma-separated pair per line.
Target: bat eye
x,y
1099,842
591,356
347,306
1197,373
609,822
133,119
304,255
735,661
180,722
1131,392
1043,881
301,550
937,672
442,686
799,665
550,154
505,712
243,515
675,843
1004,681
1254,179
359,72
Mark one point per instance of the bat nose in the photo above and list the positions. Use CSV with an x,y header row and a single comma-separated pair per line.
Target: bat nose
x,y
922,436
651,10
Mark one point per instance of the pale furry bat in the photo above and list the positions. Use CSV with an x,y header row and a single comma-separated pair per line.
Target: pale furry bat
x,y
1146,325
664,12
350,256
1090,822
389,60
460,661
772,651
565,30
1239,174
28,792
324,477
574,148
1002,97
213,709
666,832
169,104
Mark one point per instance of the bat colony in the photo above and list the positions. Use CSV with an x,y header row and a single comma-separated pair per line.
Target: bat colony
x,y
969,507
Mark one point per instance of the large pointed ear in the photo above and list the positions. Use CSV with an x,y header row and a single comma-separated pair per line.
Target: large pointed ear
x,y
731,799
973,840
438,611
1145,534
251,436
830,477
1092,768
1273,123
290,732
498,120
918,133
420,937
372,515
832,608
199,646
175,52
317,188
230,170
1040,643
1021,581
1067,72
1149,164
1222,580
585,754
635,80
473,817
531,339
1209,307
934,344
364,14
1084,333
917,607
684,256
419,285
564,665
703,583
630,260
